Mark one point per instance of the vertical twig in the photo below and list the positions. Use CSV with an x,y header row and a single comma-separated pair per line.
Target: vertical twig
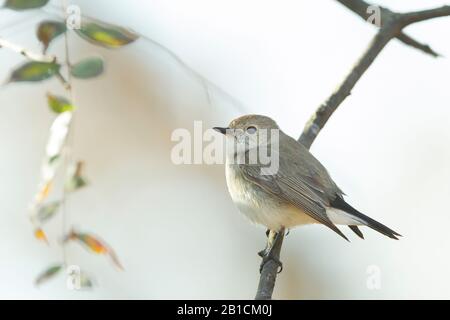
x,y
270,269
69,138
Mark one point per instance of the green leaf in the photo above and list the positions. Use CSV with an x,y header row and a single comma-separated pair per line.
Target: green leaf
x,y
48,274
20,5
106,35
53,160
75,179
48,31
59,104
34,72
48,211
76,183
85,282
88,68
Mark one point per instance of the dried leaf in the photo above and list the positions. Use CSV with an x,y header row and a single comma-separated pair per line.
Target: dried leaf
x,y
115,259
34,72
59,104
106,35
94,245
48,274
90,242
20,5
88,68
48,211
40,235
48,31
44,192
75,179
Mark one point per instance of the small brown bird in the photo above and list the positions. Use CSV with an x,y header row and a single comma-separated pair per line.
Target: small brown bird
x,y
300,192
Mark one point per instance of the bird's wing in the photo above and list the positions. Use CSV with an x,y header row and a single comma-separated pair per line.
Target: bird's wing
x,y
290,185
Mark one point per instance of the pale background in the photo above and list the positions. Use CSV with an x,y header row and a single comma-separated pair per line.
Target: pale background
x,y
175,227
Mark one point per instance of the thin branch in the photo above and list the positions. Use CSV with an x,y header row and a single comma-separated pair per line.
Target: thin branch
x,y
270,270
326,110
26,53
361,9
392,26
416,44
68,154
419,16
206,83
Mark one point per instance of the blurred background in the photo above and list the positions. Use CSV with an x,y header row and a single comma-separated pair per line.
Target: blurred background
x,y
175,228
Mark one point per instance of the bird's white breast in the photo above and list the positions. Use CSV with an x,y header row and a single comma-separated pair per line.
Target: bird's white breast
x,y
261,207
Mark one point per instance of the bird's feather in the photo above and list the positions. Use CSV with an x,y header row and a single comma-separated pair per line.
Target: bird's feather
x,y
339,203
356,230
294,183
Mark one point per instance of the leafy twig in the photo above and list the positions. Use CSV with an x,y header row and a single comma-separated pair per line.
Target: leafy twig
x,y
26,53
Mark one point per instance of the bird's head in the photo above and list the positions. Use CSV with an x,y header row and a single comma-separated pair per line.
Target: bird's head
x,y
253,130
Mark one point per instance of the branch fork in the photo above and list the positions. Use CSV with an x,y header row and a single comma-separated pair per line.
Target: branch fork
x,y
391,27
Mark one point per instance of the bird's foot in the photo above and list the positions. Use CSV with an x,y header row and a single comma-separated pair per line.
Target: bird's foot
x,y
264,252
267,258
268,254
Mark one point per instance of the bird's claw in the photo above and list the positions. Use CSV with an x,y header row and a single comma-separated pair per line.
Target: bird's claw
x,y
263,253
266,258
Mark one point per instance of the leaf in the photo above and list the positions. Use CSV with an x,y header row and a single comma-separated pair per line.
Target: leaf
x,y
34,71
40,235
44,192
94,245
76,180
106,35
48,211
90,242
85,281
48,274
58,134
88,68
59,104
48,31
20,5
115,259
54,159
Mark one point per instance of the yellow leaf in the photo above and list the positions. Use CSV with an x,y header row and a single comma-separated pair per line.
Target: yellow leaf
x,y
40,235
45,191
95,245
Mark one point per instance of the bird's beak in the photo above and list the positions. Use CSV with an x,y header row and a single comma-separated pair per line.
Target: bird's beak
x,y
221,130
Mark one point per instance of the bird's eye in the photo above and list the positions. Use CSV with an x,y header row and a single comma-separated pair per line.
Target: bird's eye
x,y
251,130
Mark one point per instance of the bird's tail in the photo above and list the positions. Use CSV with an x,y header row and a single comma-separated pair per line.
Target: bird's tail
x,y
340,204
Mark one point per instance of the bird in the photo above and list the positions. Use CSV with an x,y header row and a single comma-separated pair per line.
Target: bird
x,y
299,192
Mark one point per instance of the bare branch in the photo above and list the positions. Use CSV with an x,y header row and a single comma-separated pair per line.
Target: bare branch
x,y
392,25
324,112
270,270
419,16
416,44
361,9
